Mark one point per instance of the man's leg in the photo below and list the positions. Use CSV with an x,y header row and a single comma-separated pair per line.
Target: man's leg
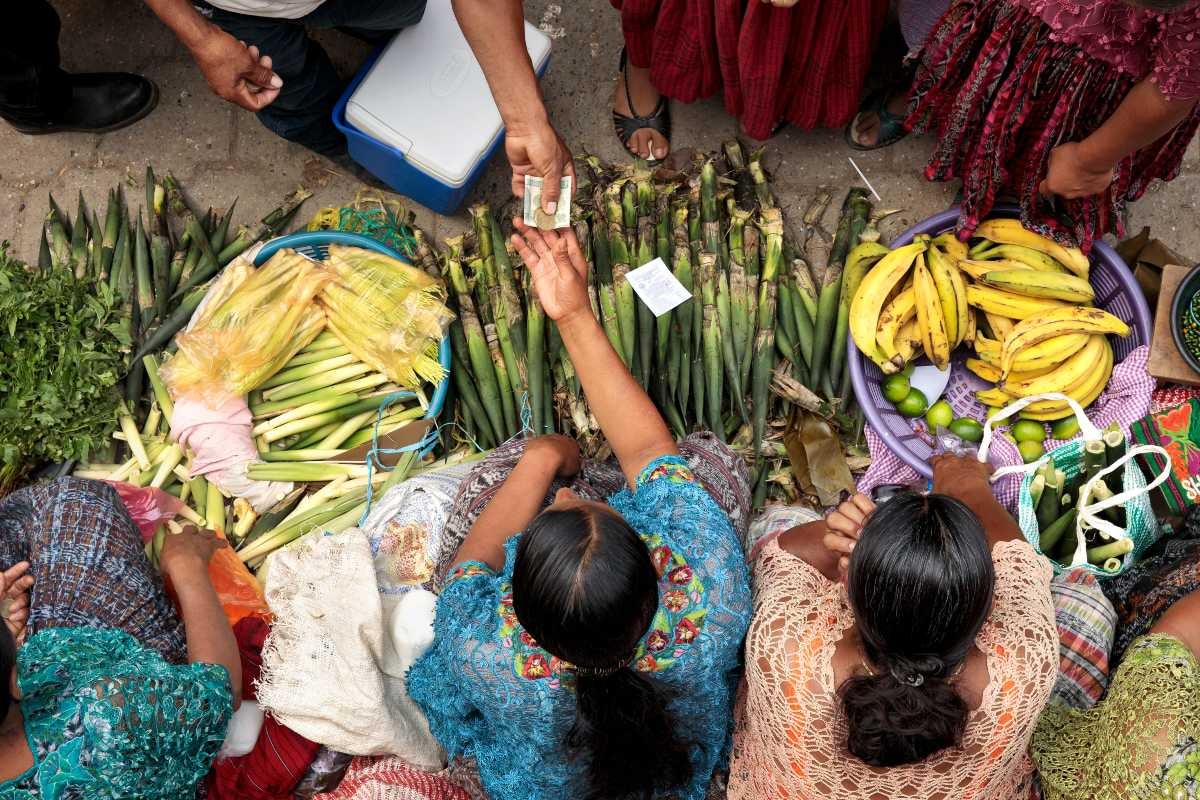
x,y
303,111
31,82
371,20
36,96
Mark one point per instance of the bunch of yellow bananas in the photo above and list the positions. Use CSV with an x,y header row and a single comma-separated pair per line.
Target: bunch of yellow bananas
x,y
1021,300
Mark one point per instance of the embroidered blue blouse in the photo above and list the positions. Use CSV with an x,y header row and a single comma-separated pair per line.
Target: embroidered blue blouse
x,y
491,693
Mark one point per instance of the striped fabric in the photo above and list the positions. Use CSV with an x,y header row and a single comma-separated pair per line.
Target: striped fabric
x,y
1086,627
280,756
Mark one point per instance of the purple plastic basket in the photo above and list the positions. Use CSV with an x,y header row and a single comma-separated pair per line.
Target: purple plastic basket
x,y
1117,292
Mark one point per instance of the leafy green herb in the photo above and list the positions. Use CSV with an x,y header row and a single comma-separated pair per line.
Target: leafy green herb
x,y
63,346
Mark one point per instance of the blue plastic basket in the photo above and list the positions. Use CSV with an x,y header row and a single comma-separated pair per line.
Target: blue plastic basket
x,y
315,245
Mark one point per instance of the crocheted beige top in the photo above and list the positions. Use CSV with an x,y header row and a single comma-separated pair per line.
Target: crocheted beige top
x,y
790,735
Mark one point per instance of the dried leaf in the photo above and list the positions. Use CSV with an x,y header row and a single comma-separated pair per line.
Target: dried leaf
x,y
797,457
826,461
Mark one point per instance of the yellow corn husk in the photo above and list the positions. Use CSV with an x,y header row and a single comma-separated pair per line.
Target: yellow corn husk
x,y
389,314
248,328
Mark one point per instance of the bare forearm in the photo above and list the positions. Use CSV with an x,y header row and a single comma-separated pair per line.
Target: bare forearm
x,y
510,511
1141,119
183,20
976,494
807,542
210,640
627,416
1182,621
495,29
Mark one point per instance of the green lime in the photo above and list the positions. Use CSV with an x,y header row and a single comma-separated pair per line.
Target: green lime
x,y
895,387
1026,430
914,404
1065,428
1030,451
908,369
969,430
991,411
939,415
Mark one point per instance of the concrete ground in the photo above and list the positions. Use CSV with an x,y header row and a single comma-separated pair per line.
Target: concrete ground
x,y
220,152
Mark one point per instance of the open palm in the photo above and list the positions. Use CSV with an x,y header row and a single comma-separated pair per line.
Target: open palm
x,y
558,269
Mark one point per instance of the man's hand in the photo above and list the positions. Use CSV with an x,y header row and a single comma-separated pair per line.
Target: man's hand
x,y
563,450
538,150
559,271
1070,175
235,72
16,584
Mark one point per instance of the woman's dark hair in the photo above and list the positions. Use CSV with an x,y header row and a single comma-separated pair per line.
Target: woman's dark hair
x,y
920,582
585,588
8,662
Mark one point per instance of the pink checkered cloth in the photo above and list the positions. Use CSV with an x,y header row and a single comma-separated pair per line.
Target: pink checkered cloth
x,y
1125,401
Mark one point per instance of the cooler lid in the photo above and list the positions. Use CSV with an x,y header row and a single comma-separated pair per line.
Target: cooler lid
x,y
427,97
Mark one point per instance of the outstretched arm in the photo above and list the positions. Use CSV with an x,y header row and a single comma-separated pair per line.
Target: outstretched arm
x,y
966,480
1082,169
519,498
495,29
627,416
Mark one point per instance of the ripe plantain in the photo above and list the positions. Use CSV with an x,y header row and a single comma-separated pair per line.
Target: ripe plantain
x,y
951,245
1001,326
991,373
952,292
1008,304
902,308
873,292
1010,231
930,316
978,268
1049,353
1032,283
1072,319
1034,259
1067,374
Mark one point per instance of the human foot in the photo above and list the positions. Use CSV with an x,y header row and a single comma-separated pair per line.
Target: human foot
x,y
643,136
879,123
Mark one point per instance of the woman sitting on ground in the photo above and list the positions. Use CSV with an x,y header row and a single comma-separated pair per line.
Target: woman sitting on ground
x,y
590,649
1143,738
110,694
1090,102
900,651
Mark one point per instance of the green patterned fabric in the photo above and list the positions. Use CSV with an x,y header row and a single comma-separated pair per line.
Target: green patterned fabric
x,y
108,718
1141,741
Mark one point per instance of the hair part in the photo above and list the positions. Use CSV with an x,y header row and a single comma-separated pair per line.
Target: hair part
x,y
920,583
585,588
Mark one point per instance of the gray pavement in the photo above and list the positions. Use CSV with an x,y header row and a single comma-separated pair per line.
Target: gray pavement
x,y
220,152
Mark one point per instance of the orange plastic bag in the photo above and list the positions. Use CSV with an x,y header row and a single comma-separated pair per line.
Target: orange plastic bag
x,y
238,590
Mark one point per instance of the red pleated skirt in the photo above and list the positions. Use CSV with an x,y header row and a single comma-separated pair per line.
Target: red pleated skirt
x,y
1001,93
803,65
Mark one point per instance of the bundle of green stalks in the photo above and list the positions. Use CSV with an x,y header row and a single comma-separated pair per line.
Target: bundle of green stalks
x,y
159,258
757,312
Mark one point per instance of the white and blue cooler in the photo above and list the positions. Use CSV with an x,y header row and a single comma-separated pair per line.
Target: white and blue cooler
x,y
419,114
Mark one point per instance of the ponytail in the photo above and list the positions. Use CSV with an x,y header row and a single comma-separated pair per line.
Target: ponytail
x,y
626,736
920,583
585,588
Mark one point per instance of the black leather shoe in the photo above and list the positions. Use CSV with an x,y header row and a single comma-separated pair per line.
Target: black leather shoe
x,y
99,102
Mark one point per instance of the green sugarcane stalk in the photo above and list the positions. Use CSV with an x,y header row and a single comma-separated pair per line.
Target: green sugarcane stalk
x,y
764,363
479,355
217,240
645,317
112,220
682,328
141,267
45,260
514,363
536,340
160,267
95,247
733,372
468,393
854,269
762,188
1051,536
156,338
508,288
829,294
712,369
626,301
60,241
63,217
503,381
1117,549
79,237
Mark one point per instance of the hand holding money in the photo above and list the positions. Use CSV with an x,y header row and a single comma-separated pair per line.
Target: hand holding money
x,y
535,217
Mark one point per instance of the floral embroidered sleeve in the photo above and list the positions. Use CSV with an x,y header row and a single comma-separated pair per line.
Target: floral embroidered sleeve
x,y
1177,55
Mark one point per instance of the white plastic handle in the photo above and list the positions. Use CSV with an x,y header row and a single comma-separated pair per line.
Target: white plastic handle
x,y
1089,511
1086,427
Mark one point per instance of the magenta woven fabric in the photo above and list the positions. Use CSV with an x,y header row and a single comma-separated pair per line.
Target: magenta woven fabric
x,y
1125,401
